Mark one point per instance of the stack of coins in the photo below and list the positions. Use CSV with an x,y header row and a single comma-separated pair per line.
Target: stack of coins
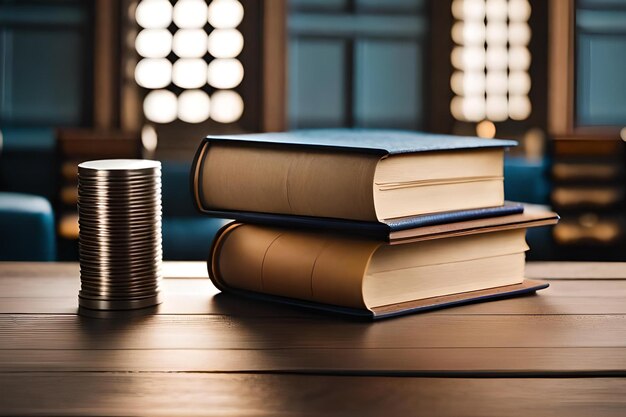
x,y
119,209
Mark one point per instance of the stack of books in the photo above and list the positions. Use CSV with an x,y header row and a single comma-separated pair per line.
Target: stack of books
x,y
370,223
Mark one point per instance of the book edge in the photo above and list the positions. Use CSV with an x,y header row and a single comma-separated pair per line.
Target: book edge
x,y
434,303
381,230
528,286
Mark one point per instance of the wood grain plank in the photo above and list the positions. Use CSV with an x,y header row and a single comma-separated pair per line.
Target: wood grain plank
x,y
224,332
200,305
178,269
576,270
171,363
294,395
58,295
274,117
538,270
561,67
50,287
417,362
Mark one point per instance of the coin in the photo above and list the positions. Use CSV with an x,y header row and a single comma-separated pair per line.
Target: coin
x,y
119,166
103,304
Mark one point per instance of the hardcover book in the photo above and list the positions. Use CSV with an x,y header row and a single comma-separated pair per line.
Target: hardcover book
x,y
437,266
358,175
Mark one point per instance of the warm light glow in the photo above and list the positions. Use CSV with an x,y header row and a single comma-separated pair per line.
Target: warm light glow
x,y
456,107
189,73
193,106
469,33
456,83
497,82
159,106
519,58
474,108
491,59
225,14
153,73
468,58
190,43
496,58
154,14
519,107
225,73
154,43
457,33
226,106
468,10
190,14
519,33
519,83
456,57
175,58
149,138
470,108
496,108
534,144
468,83
496,10
519,10
68,226
496,33
225,43
622,134
486,129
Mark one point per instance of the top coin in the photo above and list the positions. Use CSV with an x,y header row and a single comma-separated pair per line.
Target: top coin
x,y
119,166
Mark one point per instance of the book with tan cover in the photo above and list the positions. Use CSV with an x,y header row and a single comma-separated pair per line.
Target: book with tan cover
x,y
428,268
375,176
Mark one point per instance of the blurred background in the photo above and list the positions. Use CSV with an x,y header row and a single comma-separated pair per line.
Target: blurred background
x,y
92,79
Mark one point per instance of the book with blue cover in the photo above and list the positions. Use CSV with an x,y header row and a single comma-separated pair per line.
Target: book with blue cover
x,y
372,182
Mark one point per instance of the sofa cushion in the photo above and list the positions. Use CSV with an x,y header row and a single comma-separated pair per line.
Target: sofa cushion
x,y
189,238
26,228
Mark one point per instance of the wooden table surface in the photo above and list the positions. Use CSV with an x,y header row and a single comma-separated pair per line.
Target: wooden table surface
x,y
561,352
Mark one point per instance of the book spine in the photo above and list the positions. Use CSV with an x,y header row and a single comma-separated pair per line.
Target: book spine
x,y
194,175
316,267
283,180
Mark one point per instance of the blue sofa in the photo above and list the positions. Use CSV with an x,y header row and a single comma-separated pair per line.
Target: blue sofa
x,y
26,228
187,235
27,231
527,180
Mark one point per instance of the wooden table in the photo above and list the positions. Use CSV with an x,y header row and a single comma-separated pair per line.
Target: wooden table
x,y
561,352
